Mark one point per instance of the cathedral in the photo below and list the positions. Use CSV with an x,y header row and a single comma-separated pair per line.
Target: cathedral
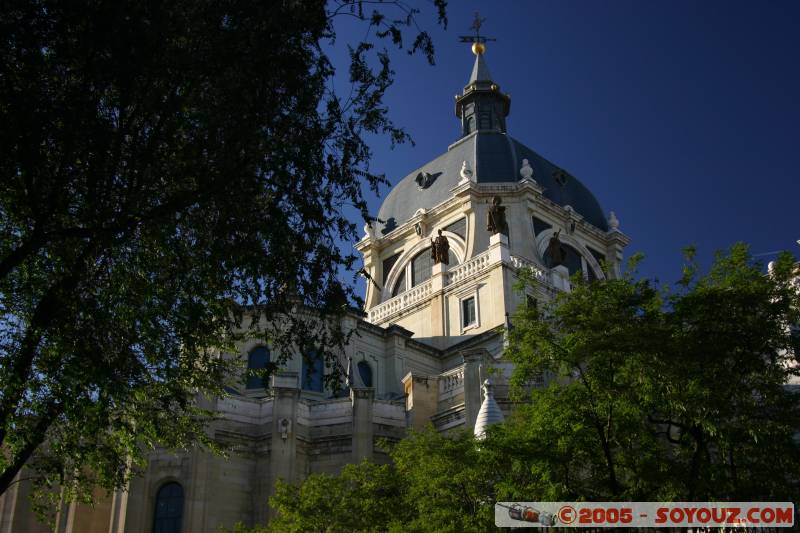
x,y
441,262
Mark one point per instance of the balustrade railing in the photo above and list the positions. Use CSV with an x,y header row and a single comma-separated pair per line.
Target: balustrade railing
x,y
400,302
458,273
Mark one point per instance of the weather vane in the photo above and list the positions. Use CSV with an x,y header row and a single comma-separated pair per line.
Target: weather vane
x,y
478,41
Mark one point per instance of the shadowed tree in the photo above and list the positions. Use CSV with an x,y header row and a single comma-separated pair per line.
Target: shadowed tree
x,y
164,166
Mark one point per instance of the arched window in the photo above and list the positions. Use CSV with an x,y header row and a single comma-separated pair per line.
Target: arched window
x,y
365,373
421,267
257,359
168,513
313,367
573,260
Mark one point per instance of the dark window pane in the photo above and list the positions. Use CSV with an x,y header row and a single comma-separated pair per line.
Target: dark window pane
x,y
572,259
421,267
467,312
312,371
168,513
600,258
451,258
540,225
400,286
387,266
365,373
459,227
257,359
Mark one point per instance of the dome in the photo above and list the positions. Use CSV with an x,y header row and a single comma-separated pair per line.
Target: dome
x,y
492,154
494,157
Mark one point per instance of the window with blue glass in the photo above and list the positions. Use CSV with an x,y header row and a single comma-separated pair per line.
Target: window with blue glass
x,y
313,367
257,361
365,373
168,513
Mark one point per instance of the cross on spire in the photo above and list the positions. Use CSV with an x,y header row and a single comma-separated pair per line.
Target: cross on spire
x,y
478,41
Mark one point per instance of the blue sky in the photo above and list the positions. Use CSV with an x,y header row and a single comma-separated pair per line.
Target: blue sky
x,y
680,116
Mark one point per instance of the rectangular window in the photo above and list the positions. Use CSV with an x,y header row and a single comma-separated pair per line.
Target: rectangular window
x,y
468,316
313,368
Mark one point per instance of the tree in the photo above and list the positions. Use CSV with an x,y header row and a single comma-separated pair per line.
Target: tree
x,y
663,394
164,167
434,483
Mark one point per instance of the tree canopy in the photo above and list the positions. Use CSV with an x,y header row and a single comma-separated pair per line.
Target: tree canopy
x,y
650,394
667,393
164,167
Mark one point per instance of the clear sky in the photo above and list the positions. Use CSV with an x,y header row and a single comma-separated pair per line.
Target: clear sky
x,y
681,116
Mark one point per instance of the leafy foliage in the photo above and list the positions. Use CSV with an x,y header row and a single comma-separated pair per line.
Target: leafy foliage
x,y
164,167
659,394
435,483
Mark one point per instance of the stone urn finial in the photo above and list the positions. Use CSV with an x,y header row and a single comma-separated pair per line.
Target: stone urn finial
x,y
526,171
613,221
466,172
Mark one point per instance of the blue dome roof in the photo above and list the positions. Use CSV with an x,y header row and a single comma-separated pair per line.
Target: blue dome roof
x,y
494,157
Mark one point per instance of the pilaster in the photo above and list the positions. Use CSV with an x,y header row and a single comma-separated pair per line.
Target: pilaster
x,y
437,305
363,403
498,249
283,442
473,374
422,398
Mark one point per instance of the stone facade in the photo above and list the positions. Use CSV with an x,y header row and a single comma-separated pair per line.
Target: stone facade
x,y
427,339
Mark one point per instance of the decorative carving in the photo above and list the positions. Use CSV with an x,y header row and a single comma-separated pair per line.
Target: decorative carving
x,y
561,177
496,219
439,249
466,172
426,179
556,251
285,427
613,221
526,171
369,230
362,393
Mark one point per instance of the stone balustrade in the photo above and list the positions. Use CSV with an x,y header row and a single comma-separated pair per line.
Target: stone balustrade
x,y
468,268
458,273
401,302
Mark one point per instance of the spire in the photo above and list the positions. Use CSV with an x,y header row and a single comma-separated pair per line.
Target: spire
x,y
489,413
480,71
481,106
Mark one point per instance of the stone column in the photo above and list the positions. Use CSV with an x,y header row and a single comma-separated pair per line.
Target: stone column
x,y
617,242
363,402
283,449
15,509
473,374
438,313
119,509
422,398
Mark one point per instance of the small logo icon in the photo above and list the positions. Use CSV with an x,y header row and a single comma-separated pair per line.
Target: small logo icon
x,y
529,514
567,514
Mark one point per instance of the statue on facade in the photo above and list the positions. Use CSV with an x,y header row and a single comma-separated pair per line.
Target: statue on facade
x,y
556,251
440,249
496,220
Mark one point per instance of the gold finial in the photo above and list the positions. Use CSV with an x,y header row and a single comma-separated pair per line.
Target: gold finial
x,y
478,41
